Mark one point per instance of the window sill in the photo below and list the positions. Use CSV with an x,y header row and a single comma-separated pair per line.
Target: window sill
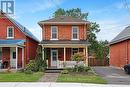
x,y
10,37
74,39
53,39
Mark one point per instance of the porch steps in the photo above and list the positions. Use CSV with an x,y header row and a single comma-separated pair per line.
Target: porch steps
x,y
54,70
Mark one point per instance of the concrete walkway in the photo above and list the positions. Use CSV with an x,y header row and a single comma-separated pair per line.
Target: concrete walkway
x,y
39,84
113,75
49,77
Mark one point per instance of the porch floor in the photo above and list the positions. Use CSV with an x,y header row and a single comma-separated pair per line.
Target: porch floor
x,y
12,70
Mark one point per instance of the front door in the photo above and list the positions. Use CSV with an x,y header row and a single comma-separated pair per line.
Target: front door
x,y
54,57
13,57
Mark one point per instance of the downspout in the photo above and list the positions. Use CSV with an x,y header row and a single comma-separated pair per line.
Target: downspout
x,y
127,53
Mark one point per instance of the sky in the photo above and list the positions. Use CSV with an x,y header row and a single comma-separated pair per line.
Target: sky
x,y
112,15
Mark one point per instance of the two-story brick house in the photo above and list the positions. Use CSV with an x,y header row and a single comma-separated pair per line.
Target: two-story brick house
x,y
61,38
17,44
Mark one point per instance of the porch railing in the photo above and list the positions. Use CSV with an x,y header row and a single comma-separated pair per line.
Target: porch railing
x,y
68,64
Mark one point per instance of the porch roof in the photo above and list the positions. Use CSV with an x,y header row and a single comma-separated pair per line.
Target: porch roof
x,y
11,42
64,42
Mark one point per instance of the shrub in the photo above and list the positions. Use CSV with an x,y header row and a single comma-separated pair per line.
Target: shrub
x,y
31,66
78,57
64,71
28,72
41,69
69,69
41,64
79,69
38,64
86,69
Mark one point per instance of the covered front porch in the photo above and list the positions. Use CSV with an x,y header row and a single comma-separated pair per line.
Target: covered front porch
x,y
12,54
59,55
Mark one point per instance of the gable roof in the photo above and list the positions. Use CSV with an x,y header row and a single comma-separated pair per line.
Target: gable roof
x,y
124,35
64,19
22,28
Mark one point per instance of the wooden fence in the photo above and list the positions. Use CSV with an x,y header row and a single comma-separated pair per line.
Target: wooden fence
x,y
98,62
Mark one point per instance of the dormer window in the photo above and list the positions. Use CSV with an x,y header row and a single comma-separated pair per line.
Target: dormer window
x,y
10,32
54,33
75,33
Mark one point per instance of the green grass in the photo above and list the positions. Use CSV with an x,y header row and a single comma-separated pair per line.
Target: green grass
x,y
20,77
81,78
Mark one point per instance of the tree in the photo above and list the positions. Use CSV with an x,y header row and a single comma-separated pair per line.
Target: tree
x,y
59,12
99,49
77,13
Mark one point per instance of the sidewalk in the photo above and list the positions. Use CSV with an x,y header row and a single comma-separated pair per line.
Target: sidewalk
x,y
39,84
49,77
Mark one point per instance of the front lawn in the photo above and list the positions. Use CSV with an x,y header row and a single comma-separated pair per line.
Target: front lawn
x,y
20,77
81,78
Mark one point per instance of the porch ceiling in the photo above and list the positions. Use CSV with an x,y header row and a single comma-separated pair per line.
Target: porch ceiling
x,y
64,45
11,43
64,42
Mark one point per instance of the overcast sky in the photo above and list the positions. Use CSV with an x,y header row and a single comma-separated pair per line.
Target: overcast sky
x,y
112,15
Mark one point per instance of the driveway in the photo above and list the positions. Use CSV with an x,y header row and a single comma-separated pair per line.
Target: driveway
x,y
113,75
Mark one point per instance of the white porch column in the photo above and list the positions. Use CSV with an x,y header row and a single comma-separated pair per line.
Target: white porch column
x,y
23,57
43,53
64,54
16,58
86,55
84,51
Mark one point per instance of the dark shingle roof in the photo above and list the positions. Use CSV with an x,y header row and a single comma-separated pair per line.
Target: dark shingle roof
x,y
124,35
64,19
64,42
11,42
22,28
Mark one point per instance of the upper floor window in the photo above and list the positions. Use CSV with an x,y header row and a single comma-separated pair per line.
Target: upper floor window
x,y
75,33
54,33
10,32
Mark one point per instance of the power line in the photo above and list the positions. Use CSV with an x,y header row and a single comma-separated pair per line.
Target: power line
x,y
125,25
125,3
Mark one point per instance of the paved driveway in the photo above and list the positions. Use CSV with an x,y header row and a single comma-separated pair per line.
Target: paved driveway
x,y
113,75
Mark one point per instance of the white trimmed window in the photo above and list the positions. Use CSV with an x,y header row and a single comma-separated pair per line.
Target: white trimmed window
x,y
54,33
75,33
75,50
10,32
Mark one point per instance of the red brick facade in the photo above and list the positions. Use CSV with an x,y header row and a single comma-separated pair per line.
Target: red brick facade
x,y
30,44
120,54
64,32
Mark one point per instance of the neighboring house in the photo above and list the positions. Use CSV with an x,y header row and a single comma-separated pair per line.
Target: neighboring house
x,y
61,38
17,44
120,49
